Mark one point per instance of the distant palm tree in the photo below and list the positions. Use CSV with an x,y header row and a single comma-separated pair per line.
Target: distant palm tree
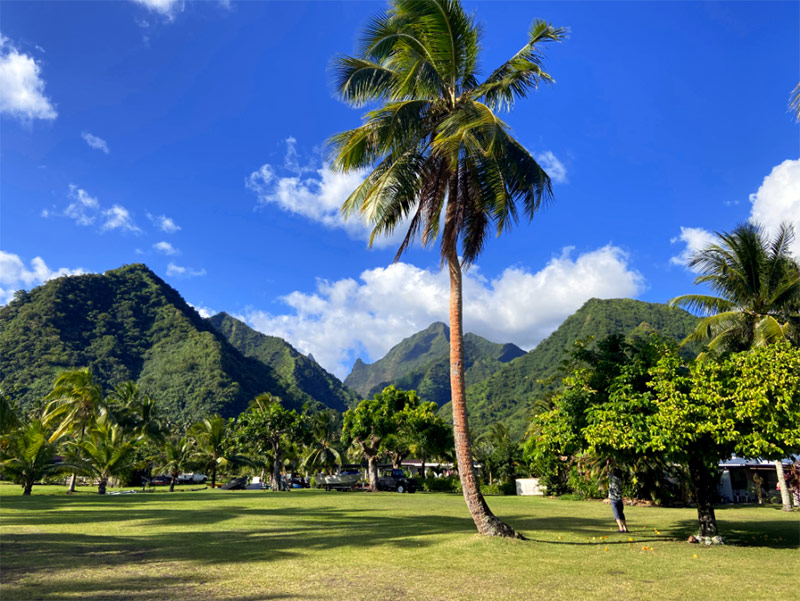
x,y
176,457
321,452
440,158
28,455
135,411
211,448
75,402
758,286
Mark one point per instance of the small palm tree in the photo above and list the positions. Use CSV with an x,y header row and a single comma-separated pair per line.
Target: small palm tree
x,y
440,158
211,446
176,458
107,450
321,452
75,402
28,454
758,286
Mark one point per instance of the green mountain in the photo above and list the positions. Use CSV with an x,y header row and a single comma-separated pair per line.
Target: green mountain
x,y
128,324
422,363
288,363
509,394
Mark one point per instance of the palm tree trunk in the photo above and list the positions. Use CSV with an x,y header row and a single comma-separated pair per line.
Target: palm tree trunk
x,y
785,500
276,468
27,487
484,519
101,486
172,484
213,477
72,479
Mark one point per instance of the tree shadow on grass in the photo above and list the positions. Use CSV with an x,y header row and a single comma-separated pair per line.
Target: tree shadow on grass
x,y
134,589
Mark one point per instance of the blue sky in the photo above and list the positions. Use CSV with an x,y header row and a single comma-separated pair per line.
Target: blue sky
x,y
189,136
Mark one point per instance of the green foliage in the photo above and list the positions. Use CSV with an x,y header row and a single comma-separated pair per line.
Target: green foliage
x,y
129,325
422,362
303,373
757,282
451,484
514,392
27,454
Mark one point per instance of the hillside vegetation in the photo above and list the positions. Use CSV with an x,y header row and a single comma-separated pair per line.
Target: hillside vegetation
x,y
128,324
509,394
422,362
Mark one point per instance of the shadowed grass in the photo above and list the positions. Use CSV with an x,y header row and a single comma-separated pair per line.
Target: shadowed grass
x,y
317,545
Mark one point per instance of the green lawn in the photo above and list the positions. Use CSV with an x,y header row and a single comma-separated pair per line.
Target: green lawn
x,y
317,545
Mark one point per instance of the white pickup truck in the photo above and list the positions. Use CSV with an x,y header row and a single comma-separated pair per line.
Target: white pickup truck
x,y
192,478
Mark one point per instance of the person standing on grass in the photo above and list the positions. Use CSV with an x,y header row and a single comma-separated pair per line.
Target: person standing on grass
x,y
615,497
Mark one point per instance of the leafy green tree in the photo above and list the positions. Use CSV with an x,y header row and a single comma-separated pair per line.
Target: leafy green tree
x,y
502,453
437,153
276,428
372,421
212,446
428,435
28,454
106,450
758,302
74,404
758,290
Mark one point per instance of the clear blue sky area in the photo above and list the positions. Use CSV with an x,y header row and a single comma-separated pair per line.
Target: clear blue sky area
x,y
664,115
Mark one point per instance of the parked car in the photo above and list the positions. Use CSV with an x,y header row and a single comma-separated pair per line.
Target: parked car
x,y
160,480
397,481
192,478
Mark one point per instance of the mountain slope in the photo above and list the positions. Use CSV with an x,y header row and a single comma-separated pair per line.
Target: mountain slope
x,y
422,363
509,394
128,324
287,362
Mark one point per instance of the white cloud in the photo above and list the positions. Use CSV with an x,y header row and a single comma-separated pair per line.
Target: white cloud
x,y
778,200
95,142
696,239
318,197
21,86
83,209
165,8
164,223
387,304
118,218
166,248
554,168
15,276
205,312
174,270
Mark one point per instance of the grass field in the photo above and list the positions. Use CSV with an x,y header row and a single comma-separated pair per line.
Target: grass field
x,y
316,545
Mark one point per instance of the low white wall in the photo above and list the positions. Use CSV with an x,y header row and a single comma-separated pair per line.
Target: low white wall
x,y
529,486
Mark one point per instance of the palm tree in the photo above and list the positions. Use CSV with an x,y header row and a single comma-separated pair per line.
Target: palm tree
x,y
107,450
176,457
211,448
28,454
439,154
758,287
758,283
74,403
321,452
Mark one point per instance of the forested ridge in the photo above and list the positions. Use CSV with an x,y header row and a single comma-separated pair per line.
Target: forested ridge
x,y
128,324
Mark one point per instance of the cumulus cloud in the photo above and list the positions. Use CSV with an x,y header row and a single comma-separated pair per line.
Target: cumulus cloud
x,y
777,200
205,312
21,85
14,275
554,168
166,248
695,239
314,192
371,315
95,142
164,223
178,271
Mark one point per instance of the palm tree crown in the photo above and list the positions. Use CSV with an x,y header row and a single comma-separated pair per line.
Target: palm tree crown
x,y
437,143
757,283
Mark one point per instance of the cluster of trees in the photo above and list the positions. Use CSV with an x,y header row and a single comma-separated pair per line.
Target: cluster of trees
x,y
641,405
81,431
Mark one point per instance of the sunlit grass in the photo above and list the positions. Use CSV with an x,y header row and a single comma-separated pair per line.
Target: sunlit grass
x,y
316,545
